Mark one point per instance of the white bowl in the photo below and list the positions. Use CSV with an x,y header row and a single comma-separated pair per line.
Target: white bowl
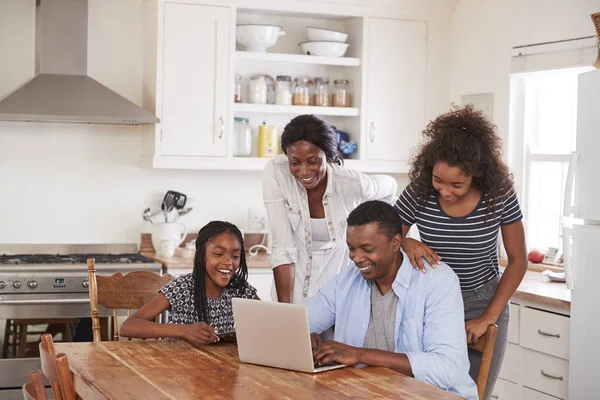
x,y
325,49
257,38
325,35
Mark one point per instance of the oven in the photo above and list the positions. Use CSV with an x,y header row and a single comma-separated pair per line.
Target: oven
x,y
49,282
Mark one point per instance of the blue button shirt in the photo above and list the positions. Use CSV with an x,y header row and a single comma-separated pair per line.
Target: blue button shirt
x,y
430,327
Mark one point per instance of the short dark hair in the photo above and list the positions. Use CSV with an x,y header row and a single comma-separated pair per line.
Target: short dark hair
x,y
387,219
314,130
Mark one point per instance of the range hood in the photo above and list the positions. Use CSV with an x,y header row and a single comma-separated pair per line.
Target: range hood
x,y
61,91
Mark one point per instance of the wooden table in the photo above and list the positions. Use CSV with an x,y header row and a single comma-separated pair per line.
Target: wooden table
x,y
174,369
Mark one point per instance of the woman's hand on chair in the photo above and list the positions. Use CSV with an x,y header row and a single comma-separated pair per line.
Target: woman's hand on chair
x,y
416,251
477,327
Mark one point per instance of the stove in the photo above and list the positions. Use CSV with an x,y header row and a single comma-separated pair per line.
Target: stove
x,y
51,281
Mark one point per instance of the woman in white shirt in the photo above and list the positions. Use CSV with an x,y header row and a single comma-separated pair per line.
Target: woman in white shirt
x,y
308,195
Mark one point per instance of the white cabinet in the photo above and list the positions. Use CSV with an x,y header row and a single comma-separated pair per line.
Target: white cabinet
x,y
262,280
505,390
529,394
194,95
396,83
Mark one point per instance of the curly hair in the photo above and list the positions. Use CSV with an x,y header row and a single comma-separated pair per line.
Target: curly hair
x,y
464,138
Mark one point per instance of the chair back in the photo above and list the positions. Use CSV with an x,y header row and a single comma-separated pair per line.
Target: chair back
x,y
56,368
34,388
118,291
485,345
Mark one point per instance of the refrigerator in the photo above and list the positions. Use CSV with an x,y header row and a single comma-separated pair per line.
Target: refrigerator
x,y
581,243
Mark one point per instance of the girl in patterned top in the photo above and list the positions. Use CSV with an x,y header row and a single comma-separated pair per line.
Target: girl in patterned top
x,y
199,303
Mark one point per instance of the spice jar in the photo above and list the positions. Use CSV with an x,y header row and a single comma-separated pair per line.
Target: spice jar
x,y
257,90
341,94
283,90
242,138
302,91
237,90
321,92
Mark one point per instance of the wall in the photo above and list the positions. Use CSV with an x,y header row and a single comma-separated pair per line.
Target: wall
x,y
73,183
484,32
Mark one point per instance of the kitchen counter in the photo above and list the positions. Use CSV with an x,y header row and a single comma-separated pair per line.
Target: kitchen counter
x,y
184,259
540,289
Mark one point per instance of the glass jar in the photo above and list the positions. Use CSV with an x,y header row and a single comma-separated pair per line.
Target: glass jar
x,y
257,90
321,92
302,91
237,91
242,138
283,90
341,94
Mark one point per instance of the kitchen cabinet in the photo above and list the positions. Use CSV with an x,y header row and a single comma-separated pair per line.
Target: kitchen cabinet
x,y
195,79
396,83
505,390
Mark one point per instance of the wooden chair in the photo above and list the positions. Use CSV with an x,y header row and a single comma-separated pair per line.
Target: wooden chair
x,y
56,368
485,345
34,389
17,330
120,291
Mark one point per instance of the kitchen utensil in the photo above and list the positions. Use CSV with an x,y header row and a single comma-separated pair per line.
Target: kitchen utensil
x,y
325,49
320,34
172,200
148,215
257,37
184,211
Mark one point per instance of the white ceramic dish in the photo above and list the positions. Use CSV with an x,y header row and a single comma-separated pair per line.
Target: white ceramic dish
x,y
325,35
257,38
324,49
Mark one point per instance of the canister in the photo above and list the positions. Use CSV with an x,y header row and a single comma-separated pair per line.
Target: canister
x,y
268,141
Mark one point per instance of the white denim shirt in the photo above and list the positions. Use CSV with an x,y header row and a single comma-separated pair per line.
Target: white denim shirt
x,y
286,202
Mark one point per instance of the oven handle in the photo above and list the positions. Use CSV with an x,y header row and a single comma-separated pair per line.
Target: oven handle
x,y
45,301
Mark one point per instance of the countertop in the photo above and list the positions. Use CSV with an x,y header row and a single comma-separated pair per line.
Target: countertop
x,y
184,259
540,289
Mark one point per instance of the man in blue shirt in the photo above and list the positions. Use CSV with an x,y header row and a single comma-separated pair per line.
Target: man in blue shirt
x,y
387,313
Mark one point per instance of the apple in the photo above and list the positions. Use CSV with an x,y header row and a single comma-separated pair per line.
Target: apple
x,y
536,256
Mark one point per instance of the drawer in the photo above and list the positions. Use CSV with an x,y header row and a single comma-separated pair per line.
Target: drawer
x,y
505,390
513,328
529,394
545,332
545,373
512,365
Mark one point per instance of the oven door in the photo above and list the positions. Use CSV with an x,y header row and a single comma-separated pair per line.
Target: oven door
x,y
13,371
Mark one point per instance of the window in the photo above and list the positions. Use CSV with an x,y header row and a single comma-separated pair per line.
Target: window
x,y
544,117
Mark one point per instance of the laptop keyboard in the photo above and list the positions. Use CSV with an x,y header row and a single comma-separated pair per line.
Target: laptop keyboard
x,y
330,364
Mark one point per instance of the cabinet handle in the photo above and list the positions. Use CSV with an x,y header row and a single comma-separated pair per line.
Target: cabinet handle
x,y
372,132
556,335
222,128
494,396
558,378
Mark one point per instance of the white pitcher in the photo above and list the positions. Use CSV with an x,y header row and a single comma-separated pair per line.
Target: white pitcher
x,y
167,236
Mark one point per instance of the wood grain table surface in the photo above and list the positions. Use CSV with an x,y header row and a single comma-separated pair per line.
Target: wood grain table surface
x,y
175,369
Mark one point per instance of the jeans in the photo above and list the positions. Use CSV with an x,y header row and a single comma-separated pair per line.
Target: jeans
x,y
476,302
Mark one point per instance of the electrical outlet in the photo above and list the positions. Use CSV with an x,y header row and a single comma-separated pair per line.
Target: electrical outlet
x,y
257,220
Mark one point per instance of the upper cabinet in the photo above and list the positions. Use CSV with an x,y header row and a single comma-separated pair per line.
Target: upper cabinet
x,y
194,93
396,84
193,66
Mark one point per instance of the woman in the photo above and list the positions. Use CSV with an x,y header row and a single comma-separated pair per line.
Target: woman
x,y
308,195
460,197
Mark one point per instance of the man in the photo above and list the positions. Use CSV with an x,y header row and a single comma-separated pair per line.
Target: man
x,y
387,313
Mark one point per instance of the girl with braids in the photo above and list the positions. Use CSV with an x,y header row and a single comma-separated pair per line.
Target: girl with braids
x,y
199,303
308,195
461,197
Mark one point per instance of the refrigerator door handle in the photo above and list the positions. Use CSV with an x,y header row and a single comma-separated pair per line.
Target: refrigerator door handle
x,y
569,185
566,237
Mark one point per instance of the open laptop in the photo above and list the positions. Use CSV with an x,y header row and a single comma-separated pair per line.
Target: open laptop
x,y
275,335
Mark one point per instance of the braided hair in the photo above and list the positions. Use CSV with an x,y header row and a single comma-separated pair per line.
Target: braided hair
x,y
209,231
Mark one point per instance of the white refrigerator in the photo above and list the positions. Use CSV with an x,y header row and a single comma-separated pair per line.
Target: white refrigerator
x,y
581,243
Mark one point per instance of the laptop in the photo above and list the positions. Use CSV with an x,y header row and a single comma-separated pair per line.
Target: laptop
x,y
275,335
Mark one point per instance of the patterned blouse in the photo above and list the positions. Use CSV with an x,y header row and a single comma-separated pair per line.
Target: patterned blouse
x,y
180,293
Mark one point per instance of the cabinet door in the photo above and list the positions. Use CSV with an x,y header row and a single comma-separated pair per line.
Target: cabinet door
x,y
505,390
195,80
396,83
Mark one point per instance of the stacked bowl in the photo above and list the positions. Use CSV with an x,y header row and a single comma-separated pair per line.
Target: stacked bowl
x,y
324,42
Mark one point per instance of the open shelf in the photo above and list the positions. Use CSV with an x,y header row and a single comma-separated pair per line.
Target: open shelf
x,y
298,58
296,110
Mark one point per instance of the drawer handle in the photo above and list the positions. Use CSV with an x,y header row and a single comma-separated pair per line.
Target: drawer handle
x,y
541,332
558,378
494,396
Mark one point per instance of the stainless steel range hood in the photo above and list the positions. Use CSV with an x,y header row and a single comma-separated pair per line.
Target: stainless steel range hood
x,y
61,91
